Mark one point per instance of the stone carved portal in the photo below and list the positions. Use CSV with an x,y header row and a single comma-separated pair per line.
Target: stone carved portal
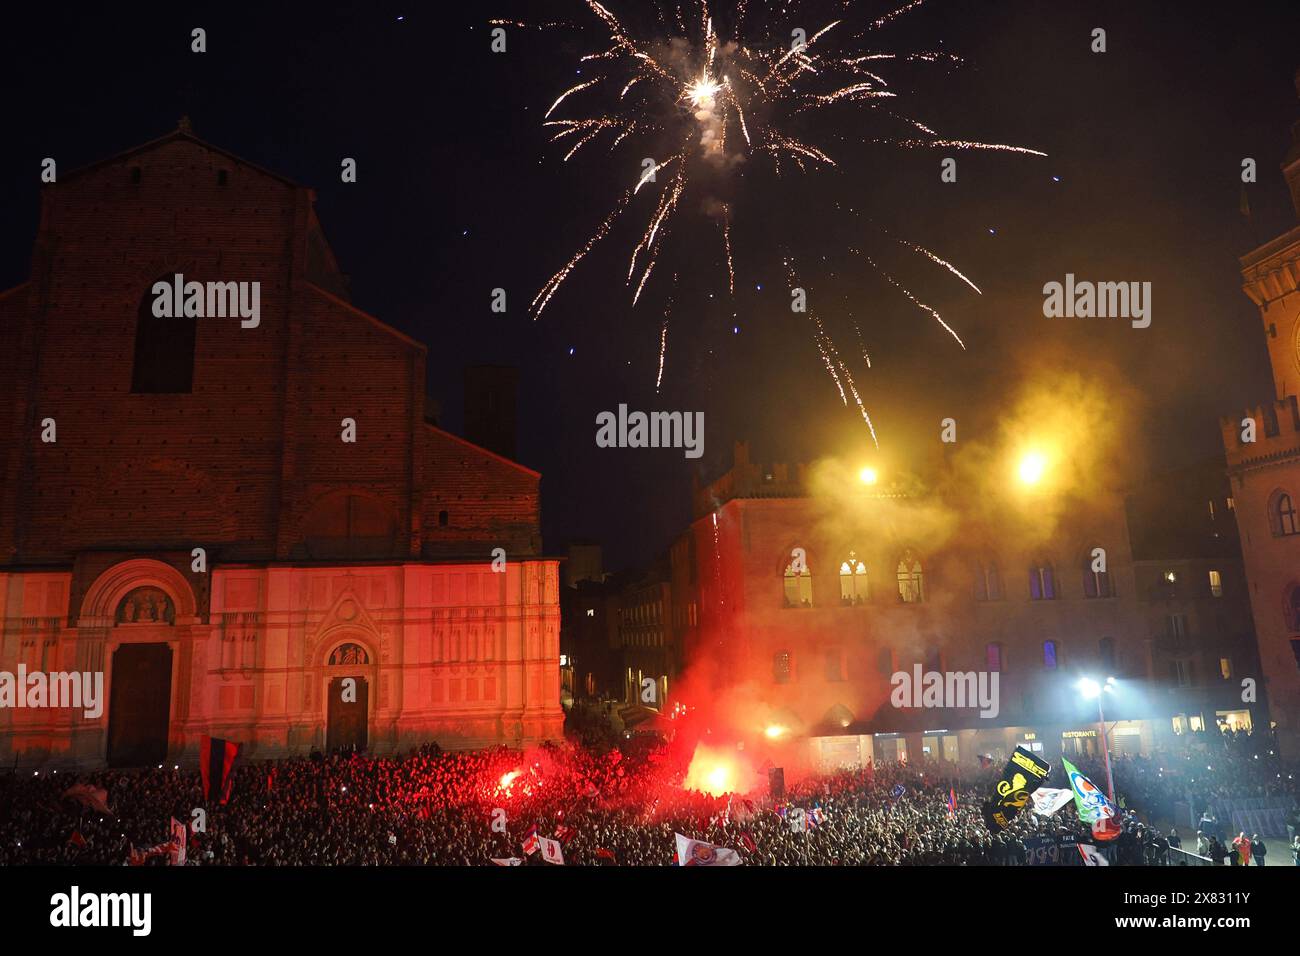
x,y
349,654
146,606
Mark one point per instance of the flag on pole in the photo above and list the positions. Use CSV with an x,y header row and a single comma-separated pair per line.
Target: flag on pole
x,y
1088,800
564,833
94,797
698,853
952,803
216,767
552,851
531,841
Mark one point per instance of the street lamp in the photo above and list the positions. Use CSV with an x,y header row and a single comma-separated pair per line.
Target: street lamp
x,y
1090,689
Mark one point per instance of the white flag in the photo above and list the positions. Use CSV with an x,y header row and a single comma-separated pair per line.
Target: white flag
x,y
698,853
508,861
1092,856
551,851
1047,800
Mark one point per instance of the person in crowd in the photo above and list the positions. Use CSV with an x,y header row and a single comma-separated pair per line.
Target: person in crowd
x,y
1257,849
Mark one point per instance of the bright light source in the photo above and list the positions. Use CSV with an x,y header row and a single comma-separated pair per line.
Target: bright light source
x,y
868,476
1089,688
1032,467
774,731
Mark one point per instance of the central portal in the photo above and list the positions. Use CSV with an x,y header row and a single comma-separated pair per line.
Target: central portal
x,y
139,706
347,727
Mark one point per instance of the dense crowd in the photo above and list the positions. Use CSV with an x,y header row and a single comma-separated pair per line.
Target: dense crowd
x,y
605,806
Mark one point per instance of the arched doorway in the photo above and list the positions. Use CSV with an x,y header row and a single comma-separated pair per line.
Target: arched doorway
x,y
347,724
140,705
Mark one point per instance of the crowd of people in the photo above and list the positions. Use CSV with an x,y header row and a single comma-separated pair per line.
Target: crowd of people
x,y
605,806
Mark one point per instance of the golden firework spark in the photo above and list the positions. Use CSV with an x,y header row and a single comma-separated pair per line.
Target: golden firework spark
x,y
683,82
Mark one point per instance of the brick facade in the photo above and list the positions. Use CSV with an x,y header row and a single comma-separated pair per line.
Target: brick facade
x,y
310,541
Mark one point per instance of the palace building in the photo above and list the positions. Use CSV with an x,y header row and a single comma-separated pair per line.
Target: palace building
x,y
253,530
795,609
1263,454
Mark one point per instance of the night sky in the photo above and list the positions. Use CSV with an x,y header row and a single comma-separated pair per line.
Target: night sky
x,y
459,192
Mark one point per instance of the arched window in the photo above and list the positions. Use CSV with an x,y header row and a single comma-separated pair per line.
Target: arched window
x,y
1042,583
1284,517
781,667
1049,655
1096,584
1106,651
853,580
988,582
798,585
1293,608
993,654
910,583
164,349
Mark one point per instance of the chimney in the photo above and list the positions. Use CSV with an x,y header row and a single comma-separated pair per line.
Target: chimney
x,y
491,393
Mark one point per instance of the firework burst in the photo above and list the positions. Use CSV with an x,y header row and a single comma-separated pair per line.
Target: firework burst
x,y
710,87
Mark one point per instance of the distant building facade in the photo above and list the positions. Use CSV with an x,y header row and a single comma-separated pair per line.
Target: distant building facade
x,y
809,614
1265,471
233,521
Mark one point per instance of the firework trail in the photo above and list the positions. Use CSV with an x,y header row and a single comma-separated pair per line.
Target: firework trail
x,y
726,90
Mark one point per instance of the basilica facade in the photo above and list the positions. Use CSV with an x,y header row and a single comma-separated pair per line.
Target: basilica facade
x,y
250,527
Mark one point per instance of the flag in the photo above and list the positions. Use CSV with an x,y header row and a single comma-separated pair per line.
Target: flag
x,y
1021,777
1091,855
1107,829
952,803
1088,800
508,861
179,835
531,841
94,797
551,851
216,763
1047,800
565,833
698,853
77,839
606,854
898,791
748,841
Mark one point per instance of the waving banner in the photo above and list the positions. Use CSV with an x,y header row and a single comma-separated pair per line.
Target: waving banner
x,y
1023,773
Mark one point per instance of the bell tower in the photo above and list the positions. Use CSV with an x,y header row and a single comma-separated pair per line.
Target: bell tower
x,y
1271,278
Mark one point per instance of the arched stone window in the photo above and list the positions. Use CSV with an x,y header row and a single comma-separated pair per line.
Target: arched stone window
x,y
1096,584
1292,608
911,588
1042,582
798,585
988,581
164,349
853,580
1282,515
